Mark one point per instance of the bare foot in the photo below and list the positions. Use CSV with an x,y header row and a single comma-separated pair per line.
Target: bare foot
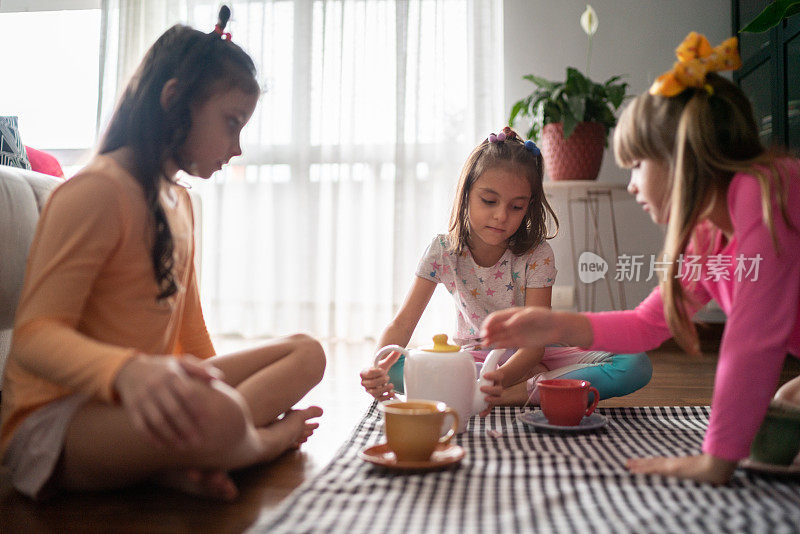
x,y
307,428
288,432
212,484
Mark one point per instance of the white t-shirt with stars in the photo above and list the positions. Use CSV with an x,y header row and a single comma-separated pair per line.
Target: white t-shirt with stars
x,y
479,291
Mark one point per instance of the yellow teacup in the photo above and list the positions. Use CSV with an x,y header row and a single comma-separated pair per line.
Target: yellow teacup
x,y
413,427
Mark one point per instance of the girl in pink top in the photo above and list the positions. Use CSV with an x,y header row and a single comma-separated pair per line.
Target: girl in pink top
x,y
732,211
112,378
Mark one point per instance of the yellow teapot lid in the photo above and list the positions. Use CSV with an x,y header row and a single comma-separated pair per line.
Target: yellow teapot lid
x,y
440,344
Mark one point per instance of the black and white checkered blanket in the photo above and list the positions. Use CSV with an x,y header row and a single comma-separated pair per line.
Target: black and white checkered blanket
x,y
532,481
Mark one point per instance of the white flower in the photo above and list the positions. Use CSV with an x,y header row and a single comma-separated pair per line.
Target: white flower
x,y
589,21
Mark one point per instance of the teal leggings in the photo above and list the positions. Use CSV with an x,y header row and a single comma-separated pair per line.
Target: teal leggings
x,y
616,376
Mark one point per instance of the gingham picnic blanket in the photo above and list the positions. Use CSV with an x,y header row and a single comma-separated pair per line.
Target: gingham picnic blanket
x,y
527,480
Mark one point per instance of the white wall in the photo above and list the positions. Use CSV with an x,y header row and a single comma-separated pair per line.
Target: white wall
x,y
636,38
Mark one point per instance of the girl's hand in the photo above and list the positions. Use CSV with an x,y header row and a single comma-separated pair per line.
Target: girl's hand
x,y
376,379
530,326
702,468
200,369
534,326
494,392
159,396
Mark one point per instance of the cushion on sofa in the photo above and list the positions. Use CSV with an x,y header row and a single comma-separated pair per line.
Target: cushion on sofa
x,y
43,162
12,151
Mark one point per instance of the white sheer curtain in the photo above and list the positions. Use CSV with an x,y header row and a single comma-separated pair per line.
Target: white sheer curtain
x,y
350,161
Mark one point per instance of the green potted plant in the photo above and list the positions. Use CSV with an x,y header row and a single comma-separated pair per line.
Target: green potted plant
x,y
571,119
772,15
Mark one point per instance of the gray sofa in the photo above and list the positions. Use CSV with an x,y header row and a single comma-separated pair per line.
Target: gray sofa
x,y
22,197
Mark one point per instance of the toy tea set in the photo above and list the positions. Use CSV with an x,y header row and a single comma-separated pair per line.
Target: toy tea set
x,y
776,447
441,382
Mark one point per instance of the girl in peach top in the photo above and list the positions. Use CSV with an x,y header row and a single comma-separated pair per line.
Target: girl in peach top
x,y
112,378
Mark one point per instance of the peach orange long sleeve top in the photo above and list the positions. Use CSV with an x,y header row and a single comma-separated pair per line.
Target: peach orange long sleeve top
x,y
89,302
761,299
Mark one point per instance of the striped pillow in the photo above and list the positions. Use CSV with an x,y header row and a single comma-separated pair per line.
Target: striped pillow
x,y
12,151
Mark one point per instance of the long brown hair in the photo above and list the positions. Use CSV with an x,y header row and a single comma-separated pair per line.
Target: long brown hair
x,y
511,154
203,64
704,137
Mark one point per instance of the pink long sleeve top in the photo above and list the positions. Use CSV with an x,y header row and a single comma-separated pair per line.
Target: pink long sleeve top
x,y
760,298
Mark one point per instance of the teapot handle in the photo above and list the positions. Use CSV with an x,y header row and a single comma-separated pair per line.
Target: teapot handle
x,y
398,379
489,365
388,349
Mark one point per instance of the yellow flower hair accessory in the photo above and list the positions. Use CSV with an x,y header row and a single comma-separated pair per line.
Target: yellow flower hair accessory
x,y
696,58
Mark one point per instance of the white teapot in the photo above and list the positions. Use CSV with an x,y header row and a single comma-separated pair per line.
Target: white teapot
x,y
445,373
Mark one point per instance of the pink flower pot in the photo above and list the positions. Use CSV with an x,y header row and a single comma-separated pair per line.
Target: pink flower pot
x,y
576,158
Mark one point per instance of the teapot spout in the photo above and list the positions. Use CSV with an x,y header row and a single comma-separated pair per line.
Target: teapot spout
x,y
488,366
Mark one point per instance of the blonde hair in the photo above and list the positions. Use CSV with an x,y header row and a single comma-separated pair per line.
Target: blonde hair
x,y
510,154
704,137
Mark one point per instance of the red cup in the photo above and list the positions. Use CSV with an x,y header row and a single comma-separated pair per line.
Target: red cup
x,y
564,400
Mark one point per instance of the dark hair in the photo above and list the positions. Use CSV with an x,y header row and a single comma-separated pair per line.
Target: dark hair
x,y
203,64
511,154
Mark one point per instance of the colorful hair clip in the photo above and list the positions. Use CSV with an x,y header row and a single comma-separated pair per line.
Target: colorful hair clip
x,y
696,58
224,16
530,146
509,133
223,35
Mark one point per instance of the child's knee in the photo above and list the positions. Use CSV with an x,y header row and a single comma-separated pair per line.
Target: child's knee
x,y
639,369
789,392
225,417
622,375
311,356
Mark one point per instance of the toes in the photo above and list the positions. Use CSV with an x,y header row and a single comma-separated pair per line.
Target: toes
x,y
312,411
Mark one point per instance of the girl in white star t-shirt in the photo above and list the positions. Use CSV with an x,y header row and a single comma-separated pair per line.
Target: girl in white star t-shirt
x,y
496,256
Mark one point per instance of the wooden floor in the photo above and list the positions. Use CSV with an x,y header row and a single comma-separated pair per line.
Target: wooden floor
x,y
678,379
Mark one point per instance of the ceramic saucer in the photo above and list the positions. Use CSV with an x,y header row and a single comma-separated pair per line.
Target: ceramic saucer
x,y
442,456
791,470
538,420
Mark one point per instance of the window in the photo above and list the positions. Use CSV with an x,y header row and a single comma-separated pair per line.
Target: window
x,y
51,83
